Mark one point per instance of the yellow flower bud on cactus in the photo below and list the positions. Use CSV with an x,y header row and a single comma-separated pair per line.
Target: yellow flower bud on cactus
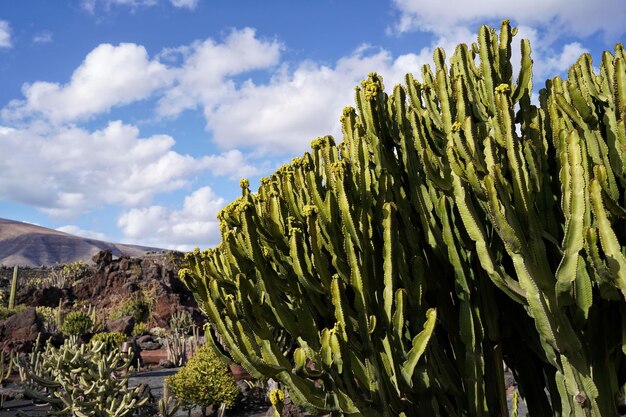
x,y
503,89
277,396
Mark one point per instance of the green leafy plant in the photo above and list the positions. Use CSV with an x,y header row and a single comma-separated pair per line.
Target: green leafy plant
x,y
203,381
453,198
76,323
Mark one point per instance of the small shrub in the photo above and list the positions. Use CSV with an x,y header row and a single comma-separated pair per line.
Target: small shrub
x,y
136,270
159,332
140,329
6,312
49,317
111,340
203,381
138,307
76,323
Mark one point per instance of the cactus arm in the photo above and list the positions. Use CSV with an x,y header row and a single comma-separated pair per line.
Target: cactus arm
x,y
573,240
524,80
419,346
608,239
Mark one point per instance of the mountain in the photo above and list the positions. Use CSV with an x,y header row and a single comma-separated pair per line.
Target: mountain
x,y
26,244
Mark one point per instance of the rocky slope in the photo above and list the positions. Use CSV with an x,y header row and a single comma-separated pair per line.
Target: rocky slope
x,y
26,244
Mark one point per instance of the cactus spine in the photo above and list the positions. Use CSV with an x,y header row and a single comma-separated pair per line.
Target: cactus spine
x,y
443,195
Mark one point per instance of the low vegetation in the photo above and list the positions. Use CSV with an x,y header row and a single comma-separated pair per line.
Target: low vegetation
x,y
203,381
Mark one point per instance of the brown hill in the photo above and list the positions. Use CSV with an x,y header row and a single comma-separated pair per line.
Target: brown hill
x,y
25,244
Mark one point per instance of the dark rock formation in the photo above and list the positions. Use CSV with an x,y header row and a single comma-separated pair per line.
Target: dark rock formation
x,y
122,325
20,330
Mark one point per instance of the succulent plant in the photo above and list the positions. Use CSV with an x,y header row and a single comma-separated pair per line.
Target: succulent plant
x,y
456,226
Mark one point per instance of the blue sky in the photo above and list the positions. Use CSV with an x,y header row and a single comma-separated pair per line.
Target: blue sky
x,y
133,120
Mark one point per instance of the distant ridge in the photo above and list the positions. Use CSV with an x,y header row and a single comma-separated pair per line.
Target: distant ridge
x,y
25,244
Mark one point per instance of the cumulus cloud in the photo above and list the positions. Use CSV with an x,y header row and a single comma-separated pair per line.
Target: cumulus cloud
x,y
193,225
67,171
109,76
185,4
544,23
579,17
77,231
205,75
5,34
232,164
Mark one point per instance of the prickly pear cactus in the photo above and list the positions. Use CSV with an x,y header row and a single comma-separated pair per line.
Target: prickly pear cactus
x,y
456,225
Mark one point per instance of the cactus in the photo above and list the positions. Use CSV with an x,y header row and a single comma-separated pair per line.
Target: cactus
x,y
80,380
453,198
6,367
13,288
168,406
176,347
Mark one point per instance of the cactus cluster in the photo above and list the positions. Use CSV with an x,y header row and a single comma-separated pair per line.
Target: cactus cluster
x,y
456,226
81,380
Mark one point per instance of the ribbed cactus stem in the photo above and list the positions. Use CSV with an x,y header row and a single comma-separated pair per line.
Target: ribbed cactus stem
x,y
13,288
382,276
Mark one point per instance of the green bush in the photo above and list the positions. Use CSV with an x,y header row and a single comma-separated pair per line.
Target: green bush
x,y
137,307
76,323
75,270
140,329
203,381
111,340
49,317
6,312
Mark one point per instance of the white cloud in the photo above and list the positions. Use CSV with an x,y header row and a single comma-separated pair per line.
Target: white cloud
x,y
109,76
187,4
193,225
5,34
560,62
66,171
576,17
90,5
43,37
77,231
295,106
204,76
232,164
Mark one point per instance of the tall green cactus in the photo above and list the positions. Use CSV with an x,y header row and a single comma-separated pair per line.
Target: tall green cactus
x,y
13,288
455,197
